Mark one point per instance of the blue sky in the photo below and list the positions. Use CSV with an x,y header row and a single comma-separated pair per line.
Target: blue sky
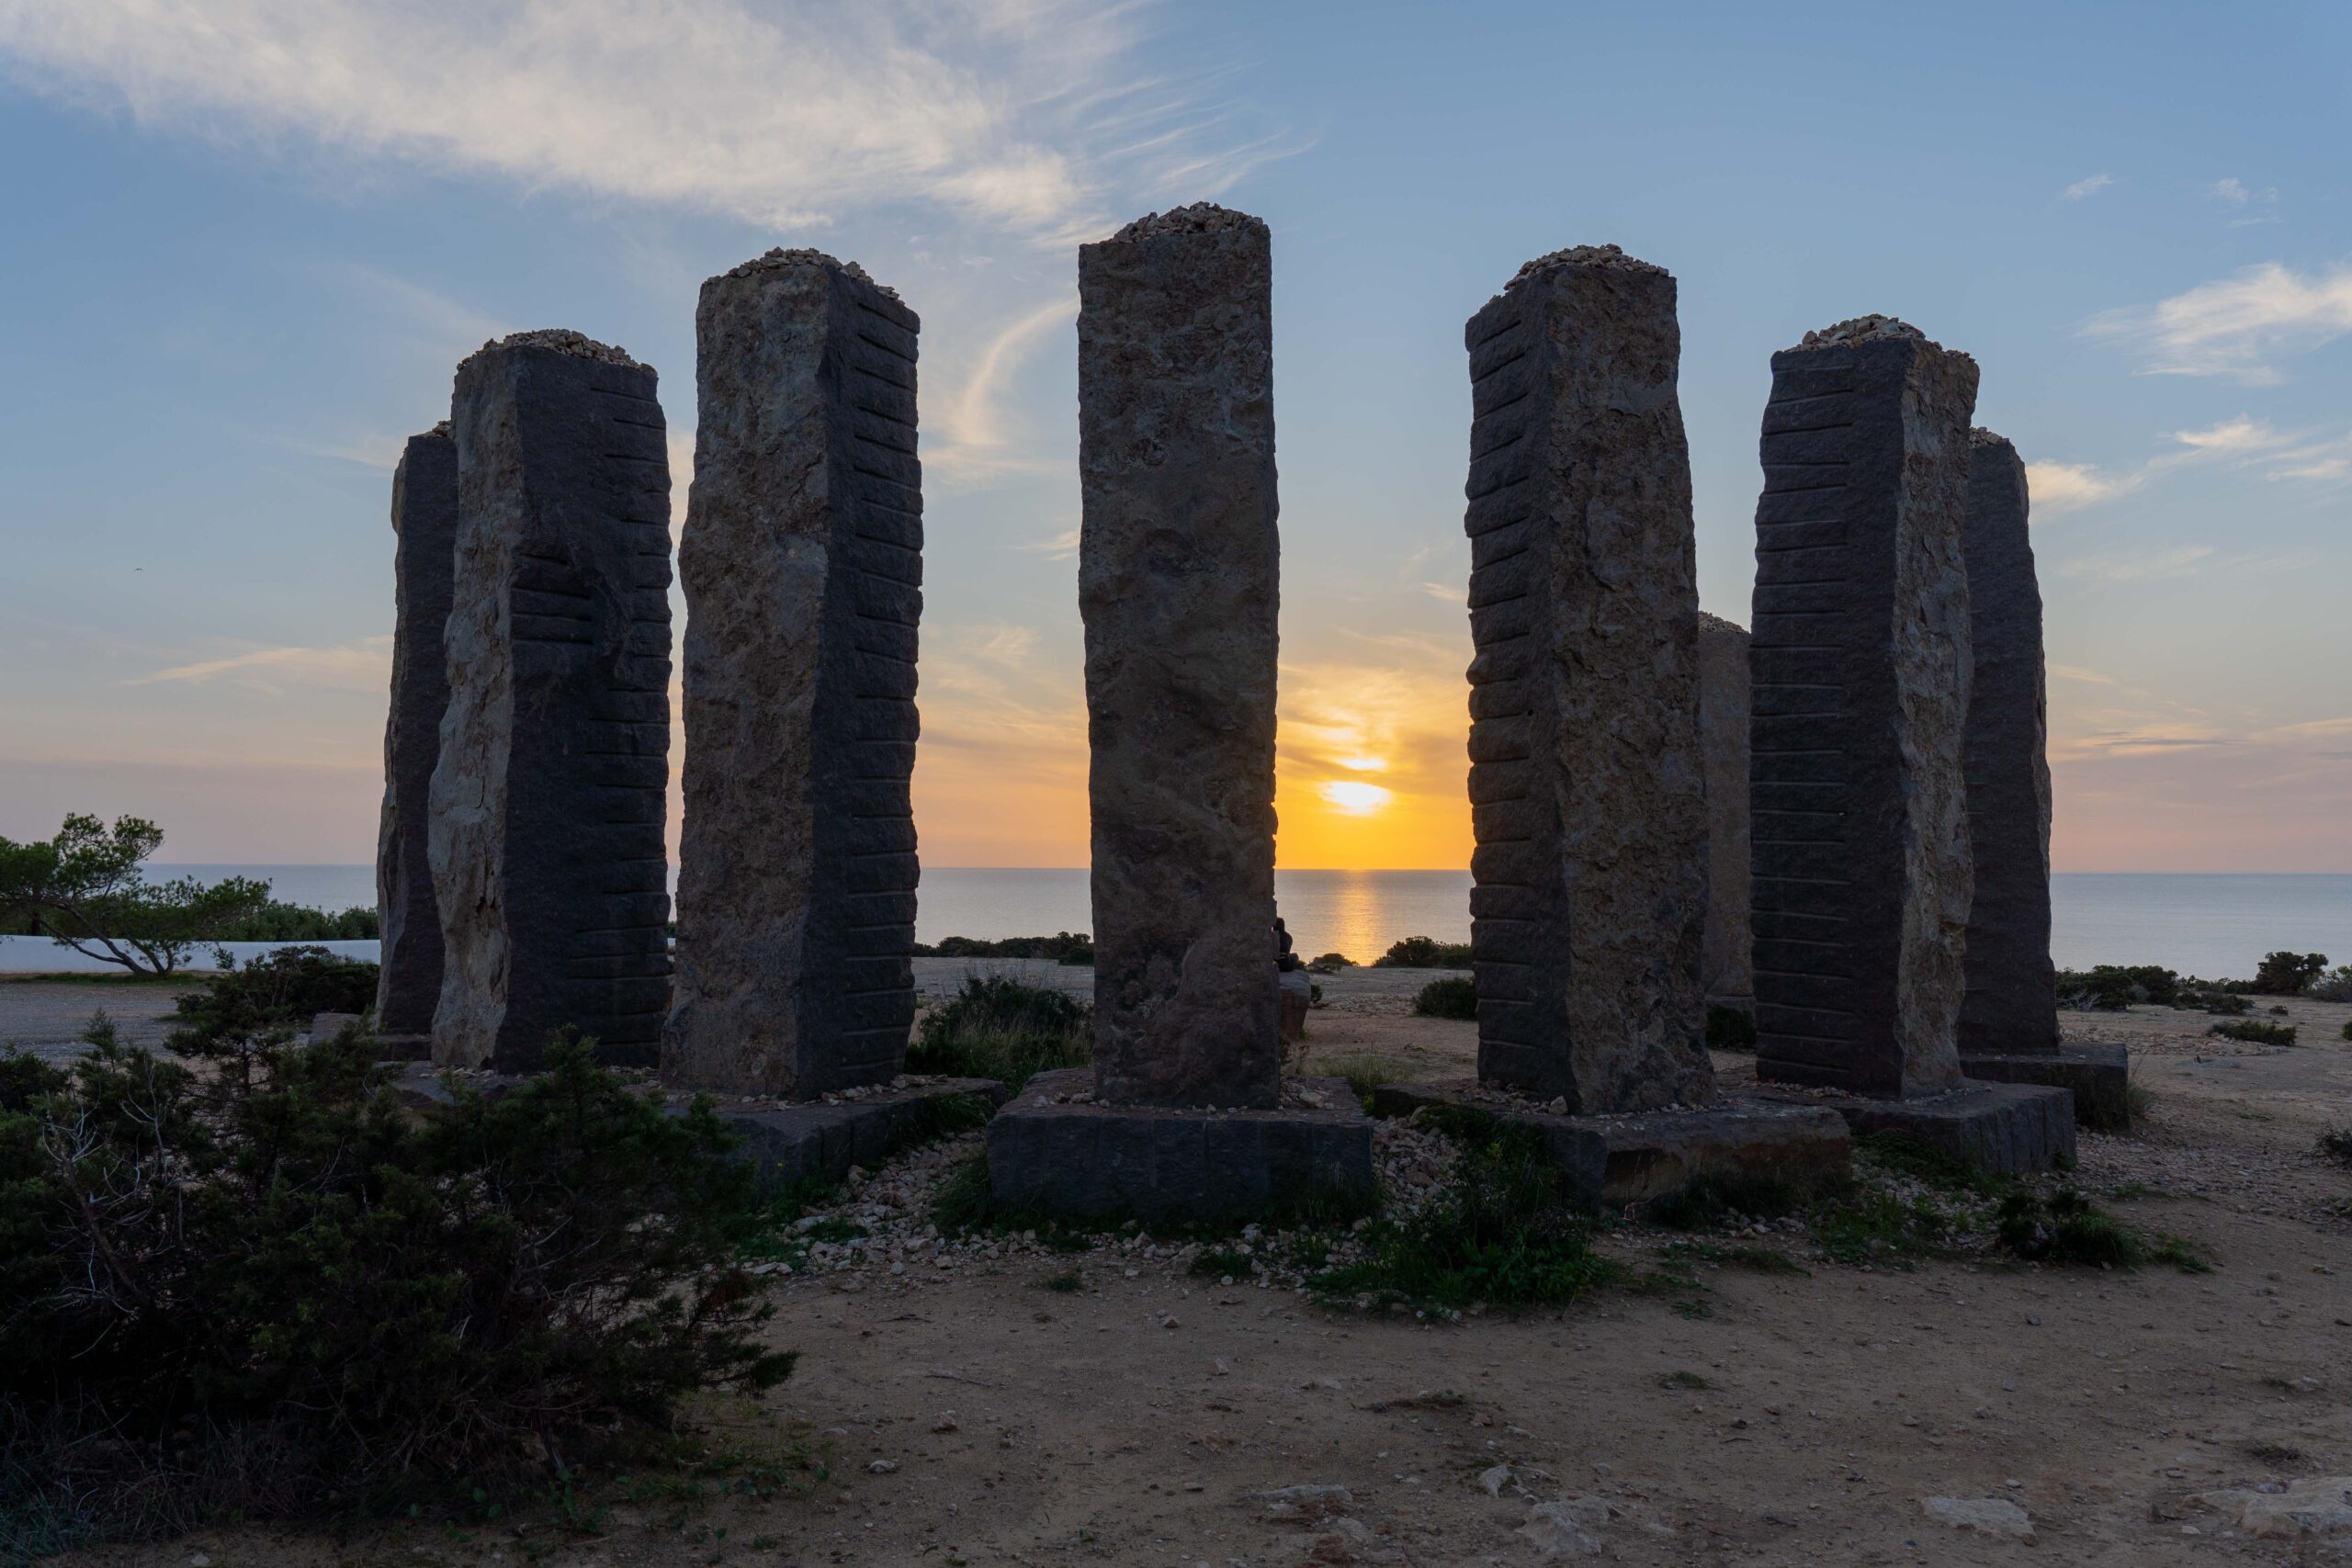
x,y
248,239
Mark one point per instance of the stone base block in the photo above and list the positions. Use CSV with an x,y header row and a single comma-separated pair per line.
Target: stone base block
x,y
2003,1129
787,1144
1616,1160
1297,996
1055,1155
2099,1077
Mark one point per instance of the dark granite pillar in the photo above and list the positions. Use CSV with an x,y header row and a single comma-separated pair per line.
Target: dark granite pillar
x,y
2010,1004
425,524
1861,667
1177,584
548,800
1588,795
1727,971
802,561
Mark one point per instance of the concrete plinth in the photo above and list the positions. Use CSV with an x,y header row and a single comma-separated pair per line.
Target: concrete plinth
x,y
1615,1160
789,1144
2003,1129
2098,1077
1057,1155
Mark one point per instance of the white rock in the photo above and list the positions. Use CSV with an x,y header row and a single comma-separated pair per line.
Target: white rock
x,y
1993,1516
1495,1479
1564,1529
2319,1506
883,1467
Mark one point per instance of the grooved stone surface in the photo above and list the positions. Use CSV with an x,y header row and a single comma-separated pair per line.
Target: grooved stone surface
x,y
1858,697
548,824
1728,970
2006,1129
802,561
1179,565
425,522
2011,1004
1588,795
1077,1160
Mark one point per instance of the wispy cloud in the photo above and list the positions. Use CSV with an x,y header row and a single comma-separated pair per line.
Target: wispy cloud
x,y
2237,326
2234,192
2065,487
2240,443
2077,673
978,423
361,666
1058,546
2084,187
1015,113
2183,560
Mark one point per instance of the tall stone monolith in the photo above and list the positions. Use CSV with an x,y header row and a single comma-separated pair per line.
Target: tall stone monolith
x,y
425,526
2010,1004
1728,970
1860,689
802,564
548,800
1179,566
1587,794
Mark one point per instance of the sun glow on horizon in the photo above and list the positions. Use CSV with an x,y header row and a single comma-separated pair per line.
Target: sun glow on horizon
x,y
1355,800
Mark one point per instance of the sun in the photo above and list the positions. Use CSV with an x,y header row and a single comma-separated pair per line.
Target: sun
x,y
1355,800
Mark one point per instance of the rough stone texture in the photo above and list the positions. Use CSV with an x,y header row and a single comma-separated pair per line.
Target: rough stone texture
x,y
424,524
2098,1077
1727,971
1615,1160
1587,792
2010,1006
1859,693
546,803
802,561
2005,1129
1177,584
1052,1152
1298,999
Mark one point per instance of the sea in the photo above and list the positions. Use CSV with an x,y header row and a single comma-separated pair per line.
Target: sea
x,y
2214,925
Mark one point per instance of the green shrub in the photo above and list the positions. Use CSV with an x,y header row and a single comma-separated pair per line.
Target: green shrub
x,y
1062,947
1504,1230
1003,1029
277,993
2335,1143
284,1259
1329,964
1456,996
2347,1029
2211,999
298,923
2110,987
2067,1227
1424,953
2335,986
2284,974
1731,1029
2257,1032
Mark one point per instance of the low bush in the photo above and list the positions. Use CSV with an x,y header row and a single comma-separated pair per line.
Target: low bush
x,y
2110,987
2063,1226
1062,947
2347,1029
1004,1029
1424,953
1456,996
2284,974
277,993
2257,1032
1504,1230
1330,964
1730,1029
2335,986
2335,1143
300,922
2211,999
283,1267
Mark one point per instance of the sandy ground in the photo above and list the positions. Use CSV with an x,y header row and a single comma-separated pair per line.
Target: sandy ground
x,y
967,1414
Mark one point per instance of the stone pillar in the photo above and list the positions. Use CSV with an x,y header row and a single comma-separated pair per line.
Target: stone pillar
x,y
1588,795
1178,585
1728,971
2010,1004
802,562
424,524
1860,668
548,800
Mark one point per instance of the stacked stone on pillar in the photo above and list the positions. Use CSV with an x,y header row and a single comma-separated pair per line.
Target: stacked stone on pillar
x,y
548,800
1727,972
1587,797
424,526
1184,1114
802,564
1860,674
2008,1011
1588,788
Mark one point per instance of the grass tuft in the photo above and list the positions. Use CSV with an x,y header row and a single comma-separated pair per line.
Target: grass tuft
x,y
2255,1032
1002,1029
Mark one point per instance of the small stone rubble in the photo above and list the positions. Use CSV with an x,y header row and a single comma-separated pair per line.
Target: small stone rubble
x,y
781,257
1606,256
1864,329
565,341
1200,217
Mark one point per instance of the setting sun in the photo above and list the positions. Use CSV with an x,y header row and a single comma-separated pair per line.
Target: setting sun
x,y
1356,799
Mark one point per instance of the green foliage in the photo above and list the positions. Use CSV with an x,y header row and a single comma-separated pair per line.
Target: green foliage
x,y
1504,1229
2335,1143
279,993
2284,974
2063,1226
2335,986
1062,947
1068,1282
2347,1029
2110,987
1730,1029
1003,1029
1217,1263
1424,953
2212,1000
2257,1032
1330,964
1456,996
280,1255
300,922
84,888
1679,1381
